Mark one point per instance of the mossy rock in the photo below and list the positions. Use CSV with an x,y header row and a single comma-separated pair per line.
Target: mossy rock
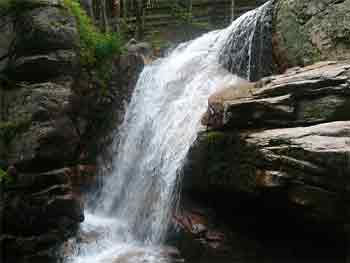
x,y
221,160
310,31
325,109
44,30
16,7
9,130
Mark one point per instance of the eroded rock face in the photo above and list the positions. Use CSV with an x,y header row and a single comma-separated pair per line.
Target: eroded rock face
x,y
303,96
37,83
288,34
248,52
305,168
281,151
310,31
6,39
39,211
53,114
307,157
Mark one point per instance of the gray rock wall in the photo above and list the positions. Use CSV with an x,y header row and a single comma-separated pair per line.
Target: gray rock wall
x,y
55,119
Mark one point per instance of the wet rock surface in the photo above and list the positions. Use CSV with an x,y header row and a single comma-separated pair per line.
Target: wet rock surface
x,y
303,96
277,159
254,60
202,236
289,34
276,173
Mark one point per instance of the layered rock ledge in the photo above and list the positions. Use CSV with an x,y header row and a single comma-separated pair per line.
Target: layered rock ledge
x,y
56,117
280,154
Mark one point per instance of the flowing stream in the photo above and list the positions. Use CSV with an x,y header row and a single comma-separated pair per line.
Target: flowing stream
x,y
161,123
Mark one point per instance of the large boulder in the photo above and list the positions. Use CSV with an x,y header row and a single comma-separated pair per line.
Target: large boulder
x,y
43,67
284,34
308,167
303,96
34,122
39,211
306,32
44,29
277,157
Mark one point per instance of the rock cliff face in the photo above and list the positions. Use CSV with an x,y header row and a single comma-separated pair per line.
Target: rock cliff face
x,y
306,32
55,118
273,158
284,146
248,52
288,34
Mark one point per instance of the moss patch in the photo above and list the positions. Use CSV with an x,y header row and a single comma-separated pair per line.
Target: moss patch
x,y
4,177
9,130
329,108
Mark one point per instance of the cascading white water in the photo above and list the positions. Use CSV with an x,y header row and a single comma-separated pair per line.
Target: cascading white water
x,y
160,125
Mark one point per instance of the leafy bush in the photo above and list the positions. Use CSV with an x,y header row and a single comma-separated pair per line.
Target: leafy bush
x,y
182,14
95,47
4,177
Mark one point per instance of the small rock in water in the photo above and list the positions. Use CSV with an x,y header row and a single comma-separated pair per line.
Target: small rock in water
x,y
214,236
198,229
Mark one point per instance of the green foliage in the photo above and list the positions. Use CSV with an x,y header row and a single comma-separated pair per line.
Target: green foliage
x,y
158,41
203,25
95,47
215,136
182,14
4,177
9,130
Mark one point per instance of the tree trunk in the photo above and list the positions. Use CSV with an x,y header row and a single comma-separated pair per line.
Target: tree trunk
x,y
103,16
116,15
125,9
139,24
88,6
190,9
232,10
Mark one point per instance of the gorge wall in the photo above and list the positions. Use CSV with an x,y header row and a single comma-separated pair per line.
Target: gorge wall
x,y
277,160
273,158
55,118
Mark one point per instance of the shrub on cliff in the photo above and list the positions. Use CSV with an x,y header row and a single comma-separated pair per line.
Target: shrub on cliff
x,y
95,47
4,177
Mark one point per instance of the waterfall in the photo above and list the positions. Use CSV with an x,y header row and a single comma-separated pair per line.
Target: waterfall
x,y
161,123
250,59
